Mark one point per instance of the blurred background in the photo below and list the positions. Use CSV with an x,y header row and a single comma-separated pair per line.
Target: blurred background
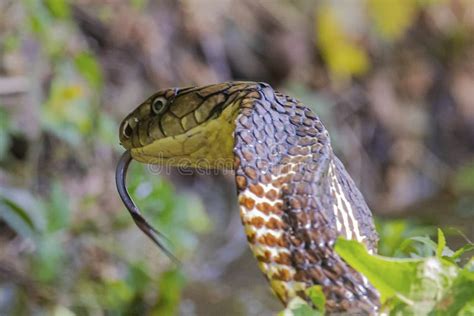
x,y
393,81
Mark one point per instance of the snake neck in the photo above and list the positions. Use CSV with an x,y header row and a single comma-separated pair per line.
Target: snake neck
x,y
295,201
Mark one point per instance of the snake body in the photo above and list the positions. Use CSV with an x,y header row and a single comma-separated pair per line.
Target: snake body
x,y
294,194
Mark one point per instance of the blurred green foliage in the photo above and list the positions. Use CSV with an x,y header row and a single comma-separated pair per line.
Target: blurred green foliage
x,y
435,282
341,50
4,128
78,257
464,179
391,17
344,57
71,110
395,236
22,211
74,264
428,285
47,224
177,217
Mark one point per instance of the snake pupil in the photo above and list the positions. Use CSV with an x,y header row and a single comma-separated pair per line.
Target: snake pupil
x,y
158,105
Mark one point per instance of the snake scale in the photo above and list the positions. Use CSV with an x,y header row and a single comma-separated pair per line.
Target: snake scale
x,y
295,196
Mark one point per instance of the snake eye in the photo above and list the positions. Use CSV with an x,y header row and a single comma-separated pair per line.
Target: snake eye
x,y
158,105
127,130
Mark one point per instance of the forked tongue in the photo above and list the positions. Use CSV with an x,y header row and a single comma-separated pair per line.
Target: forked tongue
x,y
140,221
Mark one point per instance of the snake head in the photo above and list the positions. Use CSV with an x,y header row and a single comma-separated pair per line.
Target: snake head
x,y
142,125
184,123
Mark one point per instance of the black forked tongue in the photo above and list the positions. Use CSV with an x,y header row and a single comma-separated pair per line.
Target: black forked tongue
x,y
140,221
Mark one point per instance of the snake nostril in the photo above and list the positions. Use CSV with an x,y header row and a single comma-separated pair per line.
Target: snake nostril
x,y
127,130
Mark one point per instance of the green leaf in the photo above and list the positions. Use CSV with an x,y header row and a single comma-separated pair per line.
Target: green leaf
x,y
197,218
298,307
458,253
39,17
58,210
69,111
391,18
4,128
22,211
11,43
467,310
426,246
305,310
394,234
464,179
89,69
58,8
441,243
16,219
459,300
390,276
427,286
316,295
138,277
116,294
344,56
170,287
49,260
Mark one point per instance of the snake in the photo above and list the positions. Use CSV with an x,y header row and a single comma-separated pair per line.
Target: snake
x,y
295,196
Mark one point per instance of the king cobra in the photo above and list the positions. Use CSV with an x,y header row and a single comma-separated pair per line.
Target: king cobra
x,y
295,196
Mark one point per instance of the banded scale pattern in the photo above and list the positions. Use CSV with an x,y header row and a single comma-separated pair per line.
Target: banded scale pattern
x,y
295,196
295,199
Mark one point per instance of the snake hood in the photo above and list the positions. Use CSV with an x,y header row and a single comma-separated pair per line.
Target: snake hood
x,y
295,196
